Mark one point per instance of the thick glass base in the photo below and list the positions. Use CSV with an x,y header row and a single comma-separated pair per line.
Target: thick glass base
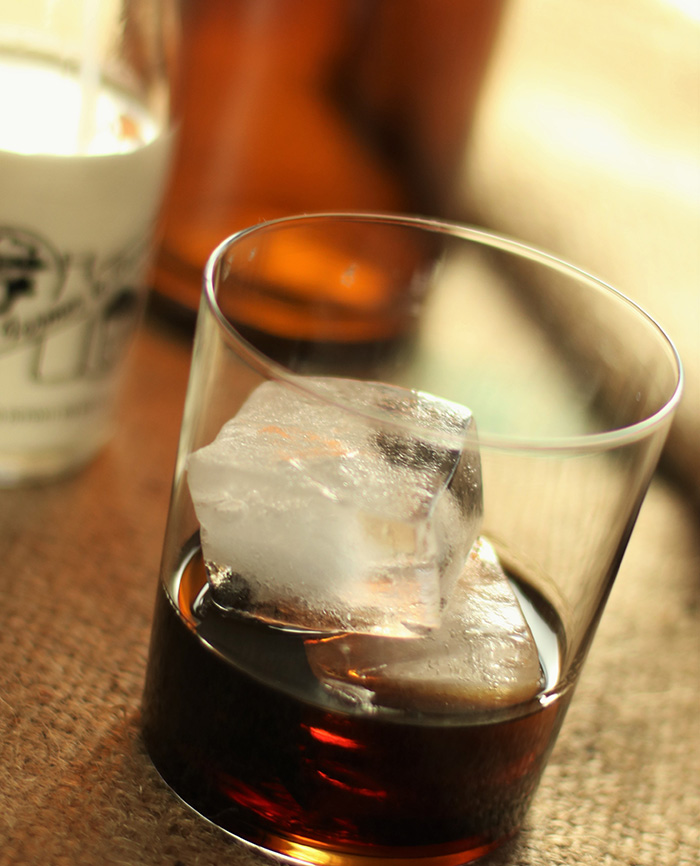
x,y
308,780
298,849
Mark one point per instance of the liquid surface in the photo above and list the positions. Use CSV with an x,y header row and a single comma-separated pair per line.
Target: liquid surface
x,y
248,737
58,111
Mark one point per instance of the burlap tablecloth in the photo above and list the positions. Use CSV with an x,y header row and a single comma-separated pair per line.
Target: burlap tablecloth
x,y
79,563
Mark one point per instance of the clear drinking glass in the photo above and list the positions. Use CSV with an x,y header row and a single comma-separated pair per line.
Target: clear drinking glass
x,y
331,747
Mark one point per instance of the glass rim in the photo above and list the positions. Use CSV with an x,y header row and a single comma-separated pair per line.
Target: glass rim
x,y
572,443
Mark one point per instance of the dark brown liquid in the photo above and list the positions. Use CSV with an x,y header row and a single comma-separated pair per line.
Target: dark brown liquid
x,y
247,736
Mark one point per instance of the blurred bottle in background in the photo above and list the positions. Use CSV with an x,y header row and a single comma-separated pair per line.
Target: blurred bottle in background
x,y
292,106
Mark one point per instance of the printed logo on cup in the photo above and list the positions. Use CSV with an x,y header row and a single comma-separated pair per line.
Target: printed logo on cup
x,y
78,311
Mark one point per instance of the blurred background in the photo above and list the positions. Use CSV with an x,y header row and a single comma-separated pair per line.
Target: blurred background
x,y
587,143
574,126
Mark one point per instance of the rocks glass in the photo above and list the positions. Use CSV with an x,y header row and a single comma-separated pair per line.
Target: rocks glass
x,y
375,602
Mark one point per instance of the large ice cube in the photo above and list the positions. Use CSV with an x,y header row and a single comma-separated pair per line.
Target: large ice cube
x,y
483,655
317,517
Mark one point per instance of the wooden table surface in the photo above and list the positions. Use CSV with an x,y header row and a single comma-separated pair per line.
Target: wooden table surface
x,y
77,581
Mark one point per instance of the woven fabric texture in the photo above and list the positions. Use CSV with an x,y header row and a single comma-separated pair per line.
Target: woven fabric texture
x,y
79,570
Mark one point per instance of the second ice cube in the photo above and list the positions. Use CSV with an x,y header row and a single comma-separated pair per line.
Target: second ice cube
x,y
484,654
343,506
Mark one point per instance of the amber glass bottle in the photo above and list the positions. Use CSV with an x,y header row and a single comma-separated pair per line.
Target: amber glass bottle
x,y
292,106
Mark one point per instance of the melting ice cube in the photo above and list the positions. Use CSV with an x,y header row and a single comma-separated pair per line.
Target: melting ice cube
x,y
317,517
483,654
